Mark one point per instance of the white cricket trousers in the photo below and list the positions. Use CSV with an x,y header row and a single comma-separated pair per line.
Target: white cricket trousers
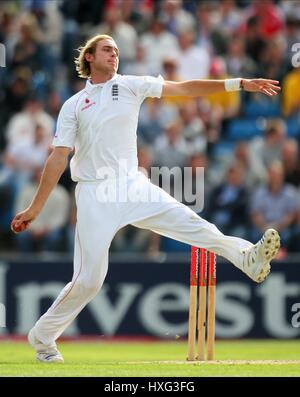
x,y
98,220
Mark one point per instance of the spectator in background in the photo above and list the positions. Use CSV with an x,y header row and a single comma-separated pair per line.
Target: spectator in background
x,y
291,8
12,99
137,13
78,19
190,55
157,43
19,163
290,161
177,19
265,150
22,157
212,117
28,50
227,204
193,129
51,23
49,30
209,29
291,93
16,92
151,121
274,64
21,126
242,155
274,205
238,63
255,44
170,149
139,66
53,105
229,18
82,13
269,16
123,33
46,232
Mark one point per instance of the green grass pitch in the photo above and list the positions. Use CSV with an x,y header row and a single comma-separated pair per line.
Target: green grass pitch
x,y
154,359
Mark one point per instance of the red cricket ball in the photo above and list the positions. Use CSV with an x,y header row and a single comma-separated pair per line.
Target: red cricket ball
x,y
20,228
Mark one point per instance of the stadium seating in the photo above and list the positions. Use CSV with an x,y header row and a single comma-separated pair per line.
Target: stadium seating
x,y
263,107
241,129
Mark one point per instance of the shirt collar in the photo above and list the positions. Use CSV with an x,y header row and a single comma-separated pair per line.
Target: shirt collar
x,y
89,87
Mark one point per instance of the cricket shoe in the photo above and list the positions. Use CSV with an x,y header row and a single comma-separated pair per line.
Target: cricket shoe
x,y
44,353
256,261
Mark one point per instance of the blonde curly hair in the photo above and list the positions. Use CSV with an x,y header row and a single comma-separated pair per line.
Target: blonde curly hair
x,y
82,65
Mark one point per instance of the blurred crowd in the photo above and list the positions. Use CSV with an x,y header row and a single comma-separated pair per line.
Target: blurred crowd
x,y
248,144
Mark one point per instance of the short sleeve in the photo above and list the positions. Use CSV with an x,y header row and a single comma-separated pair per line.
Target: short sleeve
x,y
66,126
146,86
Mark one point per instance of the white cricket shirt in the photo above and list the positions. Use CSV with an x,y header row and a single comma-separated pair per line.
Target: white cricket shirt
x,y
100,122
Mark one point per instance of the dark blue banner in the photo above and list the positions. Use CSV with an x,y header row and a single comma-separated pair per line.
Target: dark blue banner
x,y
146,298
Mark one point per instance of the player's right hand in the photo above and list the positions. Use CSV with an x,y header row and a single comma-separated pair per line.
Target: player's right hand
x,y
22,220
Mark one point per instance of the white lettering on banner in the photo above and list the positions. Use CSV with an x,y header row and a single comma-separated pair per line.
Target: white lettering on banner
x,y
159,304
274,291
164,298
3,270
229,308
28,305
296,317
109,316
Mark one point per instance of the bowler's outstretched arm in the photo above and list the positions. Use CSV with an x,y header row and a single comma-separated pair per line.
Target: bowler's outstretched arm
x,y
196,88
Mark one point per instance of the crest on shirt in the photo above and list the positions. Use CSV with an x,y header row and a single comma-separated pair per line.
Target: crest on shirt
x,y
89,105
115,92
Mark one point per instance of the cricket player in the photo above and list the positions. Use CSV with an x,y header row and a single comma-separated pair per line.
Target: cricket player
x,y
100,123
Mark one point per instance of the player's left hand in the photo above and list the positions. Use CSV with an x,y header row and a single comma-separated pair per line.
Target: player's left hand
x,y
265,86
